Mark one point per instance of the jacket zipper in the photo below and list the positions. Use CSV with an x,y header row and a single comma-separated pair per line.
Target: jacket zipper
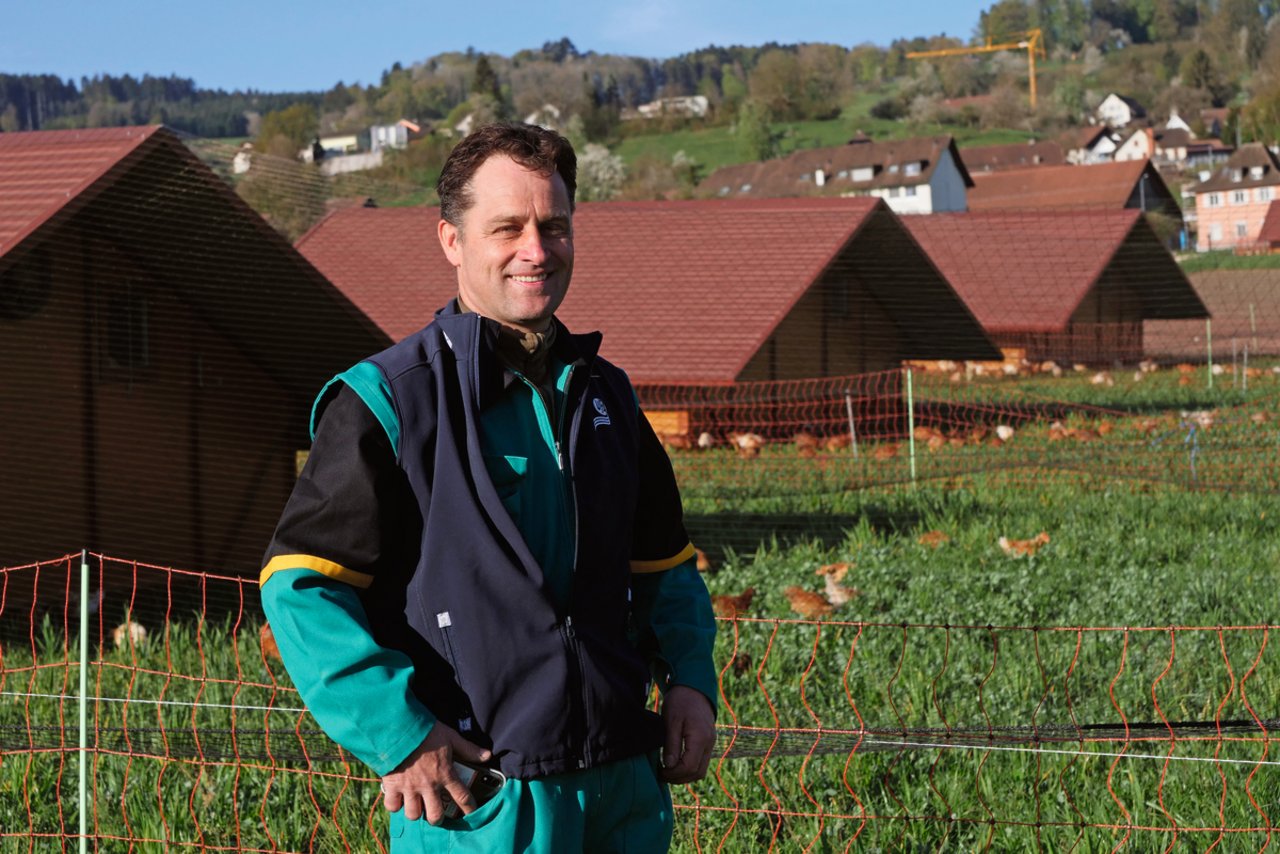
x,y
567,632
570,635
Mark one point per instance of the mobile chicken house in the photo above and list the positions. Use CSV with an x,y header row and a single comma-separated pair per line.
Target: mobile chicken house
x,y
161,346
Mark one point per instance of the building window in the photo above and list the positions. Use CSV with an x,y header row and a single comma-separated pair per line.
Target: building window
x,y
894,192
911,169
1215,200
746,188
1215,232
1238,197
863,173
893,168
1237,174
128,344
1255,172
1264,194
1242,229
908,191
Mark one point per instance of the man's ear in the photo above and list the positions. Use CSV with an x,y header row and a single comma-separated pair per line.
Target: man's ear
x,y
450,238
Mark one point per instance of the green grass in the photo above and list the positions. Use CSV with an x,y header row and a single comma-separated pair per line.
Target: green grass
x,y
944,645
1199,262
716,146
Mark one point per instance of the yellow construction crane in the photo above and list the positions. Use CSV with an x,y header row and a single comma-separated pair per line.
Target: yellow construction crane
x,y
1031,41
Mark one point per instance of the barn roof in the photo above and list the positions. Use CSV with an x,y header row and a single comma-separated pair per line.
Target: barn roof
x,y
684,291
1030,271
145,191
1104,185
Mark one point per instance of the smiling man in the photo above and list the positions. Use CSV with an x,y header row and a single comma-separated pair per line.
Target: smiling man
x,y
484,560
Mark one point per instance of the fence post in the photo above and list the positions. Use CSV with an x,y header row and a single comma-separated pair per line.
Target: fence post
x,y
911,425
84,700
1208,337
1253,327
1235,364
1245,372
853,429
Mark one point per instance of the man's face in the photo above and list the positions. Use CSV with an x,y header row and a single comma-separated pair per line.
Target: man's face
x,y
514,251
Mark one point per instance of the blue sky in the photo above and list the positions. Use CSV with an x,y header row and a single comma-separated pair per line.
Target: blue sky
x,y
272,46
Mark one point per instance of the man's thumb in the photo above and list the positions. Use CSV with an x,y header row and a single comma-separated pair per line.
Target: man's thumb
x,y
468,752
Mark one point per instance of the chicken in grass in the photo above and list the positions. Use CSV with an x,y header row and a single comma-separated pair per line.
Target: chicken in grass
x,y
128,634
933,539
746,444
675,441
806,603
887,451
805,439
839,442
1023,548
267,640
733,606
832,574
741,664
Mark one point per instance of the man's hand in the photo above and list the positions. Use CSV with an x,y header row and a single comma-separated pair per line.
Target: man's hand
x,y
691,733
425,782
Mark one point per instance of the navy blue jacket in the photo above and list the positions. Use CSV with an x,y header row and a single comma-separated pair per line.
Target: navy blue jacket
x,y
550,690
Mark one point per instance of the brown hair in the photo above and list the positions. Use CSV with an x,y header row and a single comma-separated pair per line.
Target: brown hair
x,y
533,147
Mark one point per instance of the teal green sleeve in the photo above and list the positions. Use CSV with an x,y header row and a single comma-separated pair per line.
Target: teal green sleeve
x,y
675,603
357,690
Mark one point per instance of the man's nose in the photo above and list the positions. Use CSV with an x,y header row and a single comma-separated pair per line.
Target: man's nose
x,y
532,249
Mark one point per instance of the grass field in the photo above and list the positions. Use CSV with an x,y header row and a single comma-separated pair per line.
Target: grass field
x,y
1082,696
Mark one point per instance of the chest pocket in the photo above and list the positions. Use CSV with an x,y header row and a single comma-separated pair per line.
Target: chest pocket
x,y
507,473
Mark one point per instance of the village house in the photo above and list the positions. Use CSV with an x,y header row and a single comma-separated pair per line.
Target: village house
x,y
719,305
1062,286
1118,111
1015,155
687,106
162,347
1090,145
1233,203
1174,147
921,175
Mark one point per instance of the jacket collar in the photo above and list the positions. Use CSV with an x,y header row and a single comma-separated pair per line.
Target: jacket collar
x,y
474,339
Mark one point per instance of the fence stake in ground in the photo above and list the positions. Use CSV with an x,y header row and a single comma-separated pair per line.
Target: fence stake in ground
x,y
853,428
84,700
1208,338
911,426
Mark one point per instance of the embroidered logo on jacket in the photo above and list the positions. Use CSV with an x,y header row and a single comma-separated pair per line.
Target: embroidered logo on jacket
x,y
601,420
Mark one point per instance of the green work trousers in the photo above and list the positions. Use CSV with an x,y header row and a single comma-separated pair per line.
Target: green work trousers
x,y
618,807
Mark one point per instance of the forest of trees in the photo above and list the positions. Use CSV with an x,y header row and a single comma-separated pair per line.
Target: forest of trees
x,y
45,102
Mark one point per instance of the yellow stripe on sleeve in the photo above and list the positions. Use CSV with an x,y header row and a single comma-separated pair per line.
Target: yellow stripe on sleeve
x,y
663,565
336,571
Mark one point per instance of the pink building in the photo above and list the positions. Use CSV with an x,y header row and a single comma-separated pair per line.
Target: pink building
x,y
1232,205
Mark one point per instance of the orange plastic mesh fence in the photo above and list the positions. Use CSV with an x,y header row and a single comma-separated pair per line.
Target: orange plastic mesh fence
x,y
833,734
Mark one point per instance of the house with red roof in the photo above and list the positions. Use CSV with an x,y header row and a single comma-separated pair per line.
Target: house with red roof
x,y
1014,155
920,175
709,293
1067,286
1233,202
1134,184
162,345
